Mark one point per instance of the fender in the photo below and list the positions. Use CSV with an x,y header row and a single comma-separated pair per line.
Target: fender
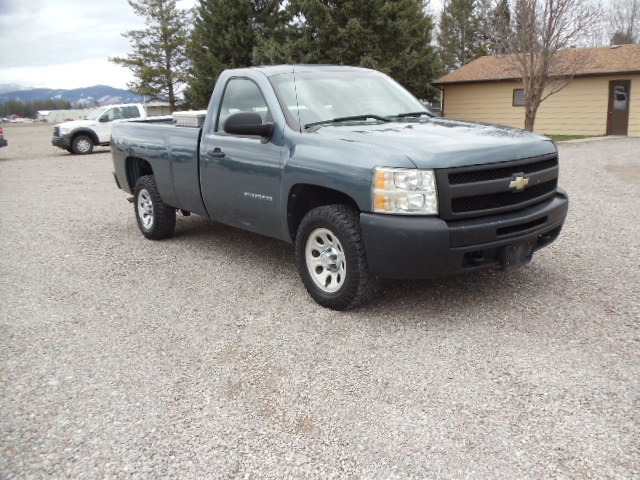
x,y
86,131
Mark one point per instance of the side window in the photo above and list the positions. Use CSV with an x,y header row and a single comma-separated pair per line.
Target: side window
x,y
242,95
108,115
131,112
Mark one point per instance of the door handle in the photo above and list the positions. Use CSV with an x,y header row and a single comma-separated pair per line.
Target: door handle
x,y
215,153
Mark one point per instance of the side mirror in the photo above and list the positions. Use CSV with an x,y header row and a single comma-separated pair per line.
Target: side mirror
x,y
103,119
244,123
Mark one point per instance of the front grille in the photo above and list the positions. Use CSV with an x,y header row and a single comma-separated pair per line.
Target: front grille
x,y
458,178
502,199
56,131
480,190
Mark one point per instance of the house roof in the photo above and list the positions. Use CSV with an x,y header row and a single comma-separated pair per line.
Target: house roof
x,y
597,61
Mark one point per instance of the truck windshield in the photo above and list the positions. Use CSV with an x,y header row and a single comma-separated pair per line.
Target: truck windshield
x,y
95,115
313,98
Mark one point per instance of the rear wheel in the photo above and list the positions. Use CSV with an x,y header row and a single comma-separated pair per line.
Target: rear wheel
x,y
155,219
82,144
331,258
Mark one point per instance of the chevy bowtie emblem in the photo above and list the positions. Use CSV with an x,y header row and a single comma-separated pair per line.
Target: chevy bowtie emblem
x,y
518,182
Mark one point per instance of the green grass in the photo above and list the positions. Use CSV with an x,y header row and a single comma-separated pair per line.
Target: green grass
x,y
561,138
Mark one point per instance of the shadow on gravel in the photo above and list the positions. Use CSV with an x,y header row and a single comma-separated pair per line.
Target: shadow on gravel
x,y
96,151
490,291
201,234
487,289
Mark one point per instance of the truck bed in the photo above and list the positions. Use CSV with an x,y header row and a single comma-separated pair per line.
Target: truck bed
x,y
172,151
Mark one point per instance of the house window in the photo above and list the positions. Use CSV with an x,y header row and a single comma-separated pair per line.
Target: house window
x,y
518,97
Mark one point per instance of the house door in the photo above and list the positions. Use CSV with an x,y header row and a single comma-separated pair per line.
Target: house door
x,y
618,114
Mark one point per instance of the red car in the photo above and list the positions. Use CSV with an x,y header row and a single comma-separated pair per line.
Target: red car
x,y
3,141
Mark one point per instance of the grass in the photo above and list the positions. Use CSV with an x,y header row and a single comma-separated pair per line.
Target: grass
x,y
561,138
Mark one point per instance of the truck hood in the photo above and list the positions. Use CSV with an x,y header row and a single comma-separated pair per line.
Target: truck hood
x,y
74,124
442,143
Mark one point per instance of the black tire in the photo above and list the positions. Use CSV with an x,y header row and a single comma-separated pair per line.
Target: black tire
x,y
82,144
331,258
155,219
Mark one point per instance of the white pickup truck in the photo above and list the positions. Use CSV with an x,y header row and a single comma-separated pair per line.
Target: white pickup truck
x,y
80,136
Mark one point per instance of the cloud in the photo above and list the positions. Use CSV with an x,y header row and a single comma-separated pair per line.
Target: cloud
x,y
66,43
63,31
85,73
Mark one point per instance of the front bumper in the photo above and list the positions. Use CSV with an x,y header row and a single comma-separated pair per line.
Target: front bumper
x,y
62,142
428,247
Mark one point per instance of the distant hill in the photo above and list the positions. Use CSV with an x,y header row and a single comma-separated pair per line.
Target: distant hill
x,y
90,96
12,87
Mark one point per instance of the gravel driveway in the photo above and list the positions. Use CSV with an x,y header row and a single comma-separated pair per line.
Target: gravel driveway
x,y
203,356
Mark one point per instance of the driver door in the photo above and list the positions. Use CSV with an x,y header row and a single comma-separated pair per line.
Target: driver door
x,y
105,123
241,175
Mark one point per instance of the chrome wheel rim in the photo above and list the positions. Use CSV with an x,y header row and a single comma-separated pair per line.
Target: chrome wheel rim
x,y
83,145
145,209
325,260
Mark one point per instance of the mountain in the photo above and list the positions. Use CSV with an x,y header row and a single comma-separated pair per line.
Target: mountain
x,y
12,87
90,96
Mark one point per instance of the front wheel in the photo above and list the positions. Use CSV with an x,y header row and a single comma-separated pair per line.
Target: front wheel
x,y
331,258
155,219
81,145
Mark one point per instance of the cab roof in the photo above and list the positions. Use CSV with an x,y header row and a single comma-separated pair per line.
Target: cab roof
x,y
271,70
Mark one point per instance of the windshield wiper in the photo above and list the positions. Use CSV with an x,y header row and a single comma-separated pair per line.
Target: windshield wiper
x,y
413,114
348,119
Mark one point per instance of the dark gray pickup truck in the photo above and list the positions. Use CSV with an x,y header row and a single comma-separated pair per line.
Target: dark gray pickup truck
x,y
347,165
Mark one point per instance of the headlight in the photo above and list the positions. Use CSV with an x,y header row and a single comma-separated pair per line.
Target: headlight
x,y
65,130
404,191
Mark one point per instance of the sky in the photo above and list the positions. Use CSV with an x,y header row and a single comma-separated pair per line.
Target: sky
x,y
66,43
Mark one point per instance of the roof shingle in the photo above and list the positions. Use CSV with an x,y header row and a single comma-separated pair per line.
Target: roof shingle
x,y
597,61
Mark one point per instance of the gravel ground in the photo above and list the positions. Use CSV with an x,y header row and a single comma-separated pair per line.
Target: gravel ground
x,y
203,356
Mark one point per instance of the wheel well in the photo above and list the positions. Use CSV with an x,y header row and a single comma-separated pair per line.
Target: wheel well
x,y
136,168
303,198
86,133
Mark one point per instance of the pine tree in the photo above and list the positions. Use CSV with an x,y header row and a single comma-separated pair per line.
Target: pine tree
x,y
494,21
500,28
159,60
459,36
225,33
393,36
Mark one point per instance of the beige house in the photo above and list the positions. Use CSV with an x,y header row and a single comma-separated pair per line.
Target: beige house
x,y
602,99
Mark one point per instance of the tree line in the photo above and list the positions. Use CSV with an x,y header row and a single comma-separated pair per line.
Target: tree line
x,y
183,52
30,109
391,36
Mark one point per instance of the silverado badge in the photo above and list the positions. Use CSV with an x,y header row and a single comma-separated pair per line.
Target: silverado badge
x,y
518,182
